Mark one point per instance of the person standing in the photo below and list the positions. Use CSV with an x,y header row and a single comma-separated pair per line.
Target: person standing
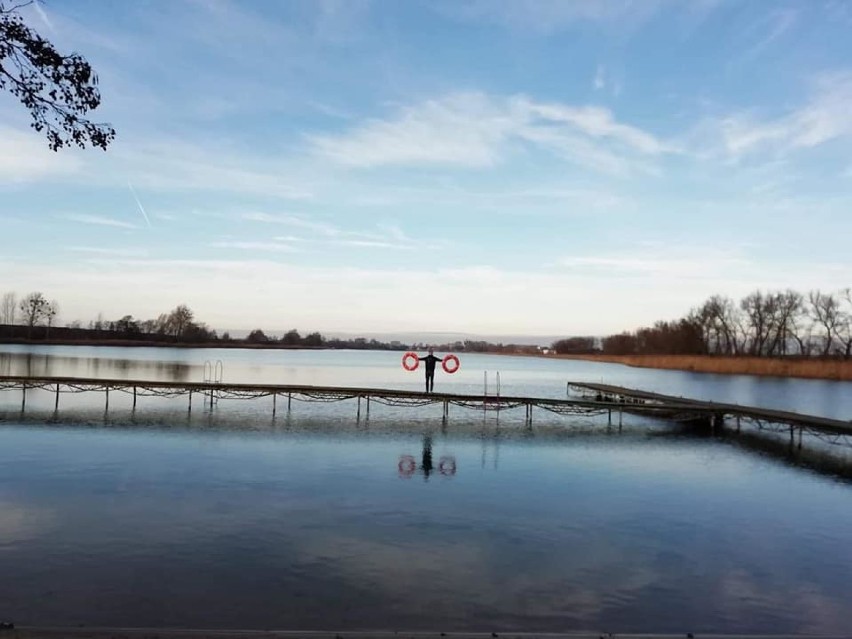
x,y
430,360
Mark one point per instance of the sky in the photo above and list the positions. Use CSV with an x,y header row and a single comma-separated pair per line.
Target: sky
x,y
471,166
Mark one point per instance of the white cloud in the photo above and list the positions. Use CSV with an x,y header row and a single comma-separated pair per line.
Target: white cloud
x,y
25,157
595,122
474,130
99,220
825,117
462,130
466,299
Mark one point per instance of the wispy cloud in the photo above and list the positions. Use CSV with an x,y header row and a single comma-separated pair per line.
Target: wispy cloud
x,y
25,157
460,130
183,165
109,252
599,81
474,130
550,16
662,260
387,236
99,220
825,117
274,246
297,221
771,27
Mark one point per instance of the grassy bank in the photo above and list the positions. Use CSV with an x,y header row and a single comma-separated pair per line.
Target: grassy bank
x,y
774,367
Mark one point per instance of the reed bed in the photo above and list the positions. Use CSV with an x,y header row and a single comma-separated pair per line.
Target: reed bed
x,y
834,369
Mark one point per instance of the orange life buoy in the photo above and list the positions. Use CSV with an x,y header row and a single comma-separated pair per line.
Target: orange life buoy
x,y
450,359
407,362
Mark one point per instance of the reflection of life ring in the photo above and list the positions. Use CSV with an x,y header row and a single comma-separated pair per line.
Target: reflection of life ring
x,y
407,466
450,359
447,466
410,361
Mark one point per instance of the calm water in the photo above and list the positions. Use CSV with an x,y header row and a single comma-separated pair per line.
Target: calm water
x,y
229,518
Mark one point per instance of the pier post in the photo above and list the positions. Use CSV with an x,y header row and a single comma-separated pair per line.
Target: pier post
x,y
134,398
800,437
609,417
620,416
358,416
368,407
56,403
23,397
792,435
446,409
274,403
289,399
189,410
106,403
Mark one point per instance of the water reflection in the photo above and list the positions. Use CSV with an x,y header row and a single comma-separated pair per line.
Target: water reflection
x,y
407,465
218,528
46,365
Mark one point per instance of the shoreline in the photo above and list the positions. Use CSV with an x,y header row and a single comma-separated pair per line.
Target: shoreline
x,y
812,368
794,367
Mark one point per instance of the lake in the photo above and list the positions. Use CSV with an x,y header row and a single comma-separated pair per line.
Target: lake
x,y
230,518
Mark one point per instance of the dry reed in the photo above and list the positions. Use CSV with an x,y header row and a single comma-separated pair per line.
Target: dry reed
x,y
833,369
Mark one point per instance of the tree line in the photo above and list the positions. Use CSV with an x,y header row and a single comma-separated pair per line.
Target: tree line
x,y
761,324
33,317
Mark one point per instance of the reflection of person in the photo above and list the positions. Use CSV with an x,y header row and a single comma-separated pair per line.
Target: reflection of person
x,y
430,360
426,464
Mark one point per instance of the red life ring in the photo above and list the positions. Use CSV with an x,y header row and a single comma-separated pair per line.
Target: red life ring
x,y
448,369
407,363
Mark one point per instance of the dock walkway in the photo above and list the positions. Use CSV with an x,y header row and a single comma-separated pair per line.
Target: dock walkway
x,y
592,399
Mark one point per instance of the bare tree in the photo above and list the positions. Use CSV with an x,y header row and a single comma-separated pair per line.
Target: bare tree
x,y
721,325
759,310
177,322
8,308
843,330
826,312
50,314
788,314
33,310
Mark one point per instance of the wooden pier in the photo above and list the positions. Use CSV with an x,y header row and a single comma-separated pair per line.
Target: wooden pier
x,y
589,399
719,414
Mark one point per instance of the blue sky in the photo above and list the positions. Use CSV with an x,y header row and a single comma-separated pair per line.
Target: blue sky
x,y
485,167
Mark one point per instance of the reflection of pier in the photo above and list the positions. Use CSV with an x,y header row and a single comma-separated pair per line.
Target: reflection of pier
x,y
593,399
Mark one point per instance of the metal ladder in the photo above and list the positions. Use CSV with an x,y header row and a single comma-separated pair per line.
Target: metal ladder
x,y
213,373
